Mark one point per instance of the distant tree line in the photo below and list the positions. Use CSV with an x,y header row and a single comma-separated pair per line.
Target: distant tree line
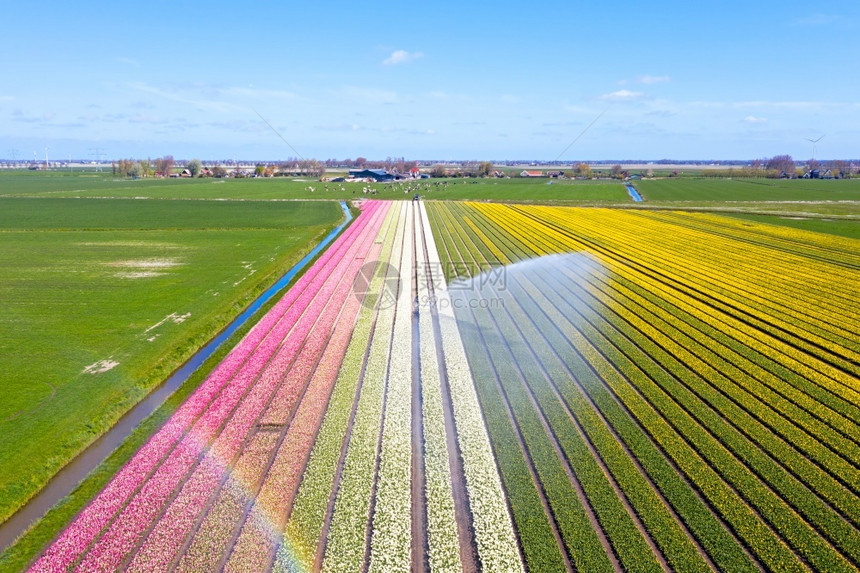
x,y
391,164
785,166
139,168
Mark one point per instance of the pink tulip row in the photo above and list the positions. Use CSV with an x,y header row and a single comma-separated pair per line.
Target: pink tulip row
x,y
208,407
231,438
206,549
163,545
256,543
131,526
307,512
314,343
75,539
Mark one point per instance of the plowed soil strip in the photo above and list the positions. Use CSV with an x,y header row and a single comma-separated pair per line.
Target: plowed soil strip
x,y
420,548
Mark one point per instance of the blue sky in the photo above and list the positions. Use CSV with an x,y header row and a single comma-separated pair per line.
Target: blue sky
x,y
450,80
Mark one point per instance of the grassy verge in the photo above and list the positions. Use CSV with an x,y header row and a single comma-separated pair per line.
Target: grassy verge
x,y
28,546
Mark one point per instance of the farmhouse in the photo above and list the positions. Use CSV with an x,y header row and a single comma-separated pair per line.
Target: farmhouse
x,y
527,173
380,175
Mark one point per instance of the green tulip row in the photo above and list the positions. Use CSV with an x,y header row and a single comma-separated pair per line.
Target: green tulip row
x,y
661,341
582,384
745,463
667,533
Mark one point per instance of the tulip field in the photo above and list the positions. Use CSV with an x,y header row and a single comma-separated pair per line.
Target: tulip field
x,y
664,391
488,387
299,452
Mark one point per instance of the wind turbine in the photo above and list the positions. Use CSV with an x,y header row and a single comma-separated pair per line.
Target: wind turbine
x,y
813,142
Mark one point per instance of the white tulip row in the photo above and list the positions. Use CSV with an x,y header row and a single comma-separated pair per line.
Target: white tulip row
x,y
346,539
391,543
442,540
491,520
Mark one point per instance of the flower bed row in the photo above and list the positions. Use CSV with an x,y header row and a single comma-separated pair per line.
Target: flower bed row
x,y
261,531
203,413
584,393
442,541
695,354
304,527
810,447
536,527
346,543
391,539
741,410
822,366
315,334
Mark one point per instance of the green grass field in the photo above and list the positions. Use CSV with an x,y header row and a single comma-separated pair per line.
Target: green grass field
x,y
749,190
62,184
87,283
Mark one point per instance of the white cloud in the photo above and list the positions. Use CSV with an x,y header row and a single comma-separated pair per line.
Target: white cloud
x,y
648,80
401,57
622,95
754,119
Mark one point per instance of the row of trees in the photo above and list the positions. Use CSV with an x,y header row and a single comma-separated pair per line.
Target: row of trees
x,y
785,166
302,167
162,167
394,164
